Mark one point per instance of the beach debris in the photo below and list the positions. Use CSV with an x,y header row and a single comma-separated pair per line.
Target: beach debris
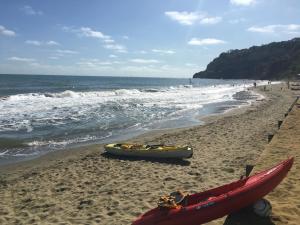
x,y
262,208
84,203
279,123
248,169
270,137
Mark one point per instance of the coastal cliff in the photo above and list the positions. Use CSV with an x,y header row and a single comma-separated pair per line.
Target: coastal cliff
x,y
274,61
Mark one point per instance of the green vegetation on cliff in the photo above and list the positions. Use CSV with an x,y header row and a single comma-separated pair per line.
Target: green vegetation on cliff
x,y
274,61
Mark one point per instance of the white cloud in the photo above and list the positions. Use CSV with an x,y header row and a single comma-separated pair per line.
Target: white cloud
x,y
211,20
190,18
31,42
163,51
125,37
205,41
116,47
6,32
140,69
88,32
141,52
35,64
159,69
184,18
19,59
190,64
112,56
28,10
105,63
292,27
39,43
243,2
60,51
52,43
277,28
266,29
116,69
96,63
144,61
109,41
86,64
117,62
93,64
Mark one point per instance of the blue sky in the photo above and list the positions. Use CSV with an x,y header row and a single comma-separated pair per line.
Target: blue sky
x,y
169,38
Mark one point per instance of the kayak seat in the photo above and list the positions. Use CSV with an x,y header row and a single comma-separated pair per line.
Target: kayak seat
x,y
175,199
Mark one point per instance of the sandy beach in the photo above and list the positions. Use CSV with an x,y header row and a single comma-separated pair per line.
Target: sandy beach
x,y
84,186
285,143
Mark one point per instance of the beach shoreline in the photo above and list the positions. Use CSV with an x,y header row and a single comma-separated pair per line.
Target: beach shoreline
x,y
46,119
240,99
82,186
250,97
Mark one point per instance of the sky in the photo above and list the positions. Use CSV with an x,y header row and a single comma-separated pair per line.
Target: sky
x,y
145,38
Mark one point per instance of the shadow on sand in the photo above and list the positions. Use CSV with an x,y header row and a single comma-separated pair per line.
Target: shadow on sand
x,y
180,162
246,216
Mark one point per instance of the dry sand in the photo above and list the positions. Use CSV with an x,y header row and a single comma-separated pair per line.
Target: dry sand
x,y
84,187
286,142
284,198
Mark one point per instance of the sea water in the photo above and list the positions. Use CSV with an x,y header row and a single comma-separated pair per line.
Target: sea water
x,y
41,113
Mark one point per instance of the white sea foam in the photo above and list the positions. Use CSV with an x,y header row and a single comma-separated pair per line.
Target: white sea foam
x,y
26,154
63,143
3,153
28,111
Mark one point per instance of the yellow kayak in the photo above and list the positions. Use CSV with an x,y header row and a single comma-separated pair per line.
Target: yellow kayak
x,y
153,151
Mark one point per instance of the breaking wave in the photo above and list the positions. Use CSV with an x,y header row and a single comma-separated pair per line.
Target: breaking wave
x,y
59,119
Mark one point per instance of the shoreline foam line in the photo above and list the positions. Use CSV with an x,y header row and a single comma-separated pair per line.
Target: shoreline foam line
x,y
178,119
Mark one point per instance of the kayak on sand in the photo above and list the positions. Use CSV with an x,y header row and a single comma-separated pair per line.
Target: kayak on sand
x,y
153,151
199,208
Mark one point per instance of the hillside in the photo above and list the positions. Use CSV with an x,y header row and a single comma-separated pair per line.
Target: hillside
x,y
274,61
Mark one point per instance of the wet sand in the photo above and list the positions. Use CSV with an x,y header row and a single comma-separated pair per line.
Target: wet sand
x,y
83,186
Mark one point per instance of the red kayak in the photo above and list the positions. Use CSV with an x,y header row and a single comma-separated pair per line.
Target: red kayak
x,y
215,203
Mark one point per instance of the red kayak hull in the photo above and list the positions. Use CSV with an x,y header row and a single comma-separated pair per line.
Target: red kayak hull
x,y
215,203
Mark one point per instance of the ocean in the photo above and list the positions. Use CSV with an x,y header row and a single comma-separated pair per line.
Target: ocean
x,y
40,113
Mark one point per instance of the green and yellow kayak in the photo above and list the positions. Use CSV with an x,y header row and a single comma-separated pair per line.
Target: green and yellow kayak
x,y
151,151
